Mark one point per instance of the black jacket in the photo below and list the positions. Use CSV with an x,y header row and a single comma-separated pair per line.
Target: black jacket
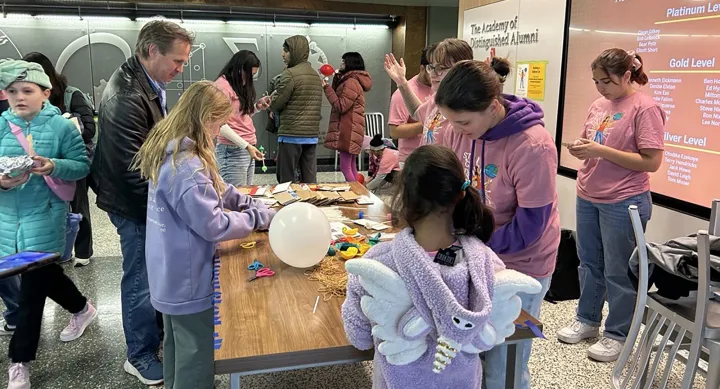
x,y
128,111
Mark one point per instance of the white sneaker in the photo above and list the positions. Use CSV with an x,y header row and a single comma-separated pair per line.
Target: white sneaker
x,y
19,376
79,262
576,332
6,329
78,324
605,350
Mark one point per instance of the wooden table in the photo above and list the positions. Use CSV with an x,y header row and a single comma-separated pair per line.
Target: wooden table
x,y
268,325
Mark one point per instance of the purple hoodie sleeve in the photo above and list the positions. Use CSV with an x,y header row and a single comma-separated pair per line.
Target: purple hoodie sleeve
x,y
358,329
525,228
199,207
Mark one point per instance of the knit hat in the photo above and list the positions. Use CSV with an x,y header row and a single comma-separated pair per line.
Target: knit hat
x,y
377,144
12,70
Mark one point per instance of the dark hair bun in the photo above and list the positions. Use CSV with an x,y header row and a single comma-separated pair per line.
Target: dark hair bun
x,y
376,141
501,67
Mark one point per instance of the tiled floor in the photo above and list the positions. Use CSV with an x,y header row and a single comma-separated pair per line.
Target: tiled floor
x,y
95,360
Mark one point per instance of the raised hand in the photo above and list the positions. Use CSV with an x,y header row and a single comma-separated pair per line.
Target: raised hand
x,y
396,70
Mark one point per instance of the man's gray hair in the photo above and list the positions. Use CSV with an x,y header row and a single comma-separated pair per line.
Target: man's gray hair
x,y
163,34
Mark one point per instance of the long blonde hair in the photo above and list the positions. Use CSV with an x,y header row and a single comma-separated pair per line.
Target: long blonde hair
x,y
200,105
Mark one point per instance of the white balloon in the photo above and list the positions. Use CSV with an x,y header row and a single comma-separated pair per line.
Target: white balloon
x,y
300,235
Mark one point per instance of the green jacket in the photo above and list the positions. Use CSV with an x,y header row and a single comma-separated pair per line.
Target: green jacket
x,y
32,217
298,95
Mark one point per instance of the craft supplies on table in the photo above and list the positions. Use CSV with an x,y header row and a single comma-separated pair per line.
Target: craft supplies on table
x,y
264,272
256,265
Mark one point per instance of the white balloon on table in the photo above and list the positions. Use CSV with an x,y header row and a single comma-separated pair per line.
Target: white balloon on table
x,y
300,235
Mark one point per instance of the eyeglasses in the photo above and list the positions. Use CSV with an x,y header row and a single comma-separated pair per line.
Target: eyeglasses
x,y
436,69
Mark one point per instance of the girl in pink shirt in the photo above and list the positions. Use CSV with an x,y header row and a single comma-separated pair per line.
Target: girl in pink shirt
x,y
442,57
235,151
511,159
389,163
621,142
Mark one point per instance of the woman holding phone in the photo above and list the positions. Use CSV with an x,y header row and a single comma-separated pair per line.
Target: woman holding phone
x,y
620,145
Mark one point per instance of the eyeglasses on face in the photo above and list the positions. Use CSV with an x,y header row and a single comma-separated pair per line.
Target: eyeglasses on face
x,y
436,69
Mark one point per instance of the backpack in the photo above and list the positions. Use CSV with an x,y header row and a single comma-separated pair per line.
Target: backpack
x,y
67,101
68,97
565,283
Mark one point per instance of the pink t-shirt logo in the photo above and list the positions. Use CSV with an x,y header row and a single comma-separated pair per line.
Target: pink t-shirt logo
x,y
601,124
491,171
431,125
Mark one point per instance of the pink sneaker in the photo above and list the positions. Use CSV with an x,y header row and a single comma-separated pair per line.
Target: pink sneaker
x,y
78,324
19,376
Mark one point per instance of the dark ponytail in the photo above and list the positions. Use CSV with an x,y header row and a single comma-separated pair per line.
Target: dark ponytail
x,y
618,61
433,180
474,217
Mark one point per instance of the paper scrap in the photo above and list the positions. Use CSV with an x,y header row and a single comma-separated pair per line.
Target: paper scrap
x,y
279,188
365,200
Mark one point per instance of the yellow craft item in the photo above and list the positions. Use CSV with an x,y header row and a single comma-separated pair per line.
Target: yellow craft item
x,y
350,231
350,253
364,248
248,245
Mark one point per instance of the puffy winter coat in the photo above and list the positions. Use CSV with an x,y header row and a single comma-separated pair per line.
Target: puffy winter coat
x,y
298,93
32,217
347,118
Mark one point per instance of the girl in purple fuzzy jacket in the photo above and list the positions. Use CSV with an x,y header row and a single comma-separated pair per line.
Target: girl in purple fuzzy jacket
x,y
424,301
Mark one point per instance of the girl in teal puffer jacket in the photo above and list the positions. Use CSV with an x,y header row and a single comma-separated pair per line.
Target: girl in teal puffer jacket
x,y
32,216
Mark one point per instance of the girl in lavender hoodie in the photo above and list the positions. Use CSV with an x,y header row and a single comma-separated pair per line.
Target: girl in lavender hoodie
x,y
186,219
430,301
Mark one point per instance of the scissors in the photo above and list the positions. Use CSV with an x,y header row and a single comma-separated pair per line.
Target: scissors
x,y
262,273
248,245
256,265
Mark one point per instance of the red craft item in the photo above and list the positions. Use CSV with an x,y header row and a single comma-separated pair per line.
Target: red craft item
x,y
361,179
327,70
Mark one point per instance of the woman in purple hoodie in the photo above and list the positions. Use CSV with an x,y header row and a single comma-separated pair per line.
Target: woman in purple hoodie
x,y
512,160
186,219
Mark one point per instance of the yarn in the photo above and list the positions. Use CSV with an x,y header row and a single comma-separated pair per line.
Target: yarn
x,y
331,275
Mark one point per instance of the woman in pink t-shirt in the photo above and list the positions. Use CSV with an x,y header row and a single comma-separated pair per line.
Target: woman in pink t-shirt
x,y
511,159
235,151
621,143
442,57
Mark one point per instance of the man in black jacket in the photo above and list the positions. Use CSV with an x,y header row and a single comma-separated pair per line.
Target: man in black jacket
x,y
133,101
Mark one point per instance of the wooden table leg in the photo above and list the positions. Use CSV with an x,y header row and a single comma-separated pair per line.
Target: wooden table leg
x,y
513,372
235,381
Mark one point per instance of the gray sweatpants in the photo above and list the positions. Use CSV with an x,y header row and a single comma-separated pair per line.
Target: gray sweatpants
x,y
188,355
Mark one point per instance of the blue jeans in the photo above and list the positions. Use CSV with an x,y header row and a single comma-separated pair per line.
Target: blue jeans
x,y
10,294
236,166
140,324
605,242
496,358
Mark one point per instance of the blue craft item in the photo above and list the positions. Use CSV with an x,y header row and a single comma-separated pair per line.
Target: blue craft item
x,y
256,265
361,215
535,330
331,251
